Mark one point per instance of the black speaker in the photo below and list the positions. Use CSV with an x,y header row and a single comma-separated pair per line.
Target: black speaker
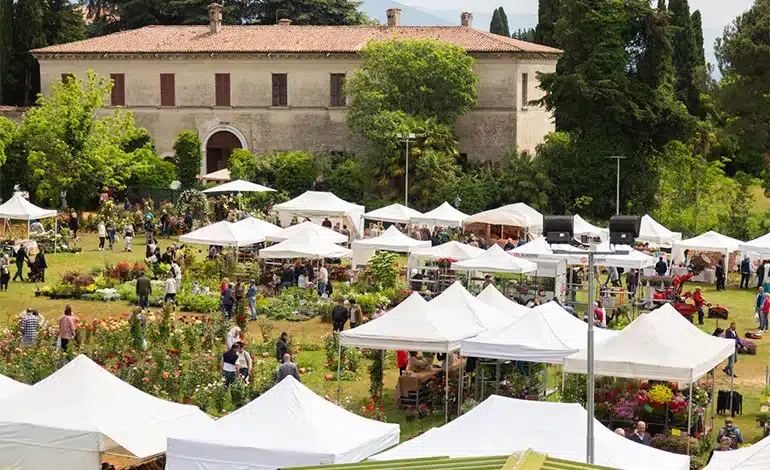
x,y
624,229
558,228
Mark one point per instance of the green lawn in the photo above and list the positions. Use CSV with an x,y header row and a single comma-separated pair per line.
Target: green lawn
x,y
750,369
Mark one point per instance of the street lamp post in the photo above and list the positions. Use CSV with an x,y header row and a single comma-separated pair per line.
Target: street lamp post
x,y
617,184
406,138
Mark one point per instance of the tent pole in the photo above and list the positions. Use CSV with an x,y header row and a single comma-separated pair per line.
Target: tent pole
x,y
55,233
497,376
563,378
689,416
713,397
732,379
339,365
446,388
461,377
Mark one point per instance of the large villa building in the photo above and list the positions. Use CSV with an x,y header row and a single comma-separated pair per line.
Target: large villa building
x,y
279,87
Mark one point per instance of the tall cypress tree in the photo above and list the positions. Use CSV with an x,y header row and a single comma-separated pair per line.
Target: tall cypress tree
x,y
504,19
6,45
684,54
496,26
548,12
697,35
31,36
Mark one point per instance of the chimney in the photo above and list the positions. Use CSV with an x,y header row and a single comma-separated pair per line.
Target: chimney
x,y
394,16
284,22
215,17
466,19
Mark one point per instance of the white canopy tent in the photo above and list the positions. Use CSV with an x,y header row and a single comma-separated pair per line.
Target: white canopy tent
x,y
650,231
512,215
254,224
759,245
556,429
661,345
496,260
308,231
102,414
452,250
540,249
305,248
582,228
239,186
624,257
547,333
316,205
457,302
9,387
287,426
19,208
444,215
224,233
394,213
753,457
391,240
709,241
491,296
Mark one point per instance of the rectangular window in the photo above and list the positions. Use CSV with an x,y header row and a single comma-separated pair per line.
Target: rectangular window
x,y
65,77
222,85
337,93
524,89
280,97
167,90
118,97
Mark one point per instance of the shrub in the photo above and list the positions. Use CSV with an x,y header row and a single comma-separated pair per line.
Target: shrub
x,y
347,181
188,156
202,303
675,444
292,172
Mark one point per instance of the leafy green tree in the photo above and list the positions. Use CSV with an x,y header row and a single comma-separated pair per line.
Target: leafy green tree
x,y
189,156
743,96
548,13
435,179
150,171
289,172
62,21
524,179
684,58
7,133
346,179
524,34
70,148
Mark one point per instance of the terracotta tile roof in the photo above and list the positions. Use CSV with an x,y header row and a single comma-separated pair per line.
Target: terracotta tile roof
x,y
11,109
287,39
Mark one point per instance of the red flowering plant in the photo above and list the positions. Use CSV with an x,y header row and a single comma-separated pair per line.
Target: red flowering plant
x,y
445,263
374,410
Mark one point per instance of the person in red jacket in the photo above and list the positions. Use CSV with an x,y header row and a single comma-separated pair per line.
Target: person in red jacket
x,y
402,360
697,297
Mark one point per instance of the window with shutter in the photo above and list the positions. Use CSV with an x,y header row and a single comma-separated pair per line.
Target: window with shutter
x,y
337,93
167,90
280,92
118,95
222,92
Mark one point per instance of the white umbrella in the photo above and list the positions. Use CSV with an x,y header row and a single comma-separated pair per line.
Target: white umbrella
x,y
239,186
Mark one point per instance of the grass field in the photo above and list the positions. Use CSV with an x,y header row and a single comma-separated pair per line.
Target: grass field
x,y
749,369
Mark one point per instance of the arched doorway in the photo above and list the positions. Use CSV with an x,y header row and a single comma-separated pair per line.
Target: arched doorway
x,y
219,147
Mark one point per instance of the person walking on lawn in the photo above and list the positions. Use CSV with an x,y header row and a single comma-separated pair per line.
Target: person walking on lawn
x,y
764,313
252,295
288,368
128,235
282,346
21,258
5,272
101,229
339,316
745,272
67,328
323,279
41,264
143,290
170,289
356,316
228,301
733,335
760,301
699,303
732,432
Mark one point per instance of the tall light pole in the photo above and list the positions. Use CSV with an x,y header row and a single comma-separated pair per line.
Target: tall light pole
x,y
617,184
406,138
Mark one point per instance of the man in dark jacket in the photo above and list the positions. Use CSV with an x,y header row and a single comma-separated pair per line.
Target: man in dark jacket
x,y
143,290
228,301
721,272
661,267
282,346
40,264
339,316
21,258
640,435
745,272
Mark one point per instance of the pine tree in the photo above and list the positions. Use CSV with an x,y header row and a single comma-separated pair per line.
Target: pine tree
x,y
684,55
25,68
661,5
504,19
496,26
697,34
548,13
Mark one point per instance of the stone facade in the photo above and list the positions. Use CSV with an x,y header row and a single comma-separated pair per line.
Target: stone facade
x,y
500,122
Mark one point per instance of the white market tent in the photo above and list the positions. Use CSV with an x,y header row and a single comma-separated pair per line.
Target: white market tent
x,y
547,333
287,426
582,228
305,248
309,231
661,345
391,240
556,429
19,208
457,302
709,241
496,260
317,205
394,213
650,231
258,225
101,414
452,250
539,249
753,457
239,186
413,325
512,215
444,215
759,245
9,387
491,296
624,257
224,233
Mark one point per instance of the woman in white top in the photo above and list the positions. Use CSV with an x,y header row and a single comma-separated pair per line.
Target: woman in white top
x,y
170,289
102,229
233,336
244,363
